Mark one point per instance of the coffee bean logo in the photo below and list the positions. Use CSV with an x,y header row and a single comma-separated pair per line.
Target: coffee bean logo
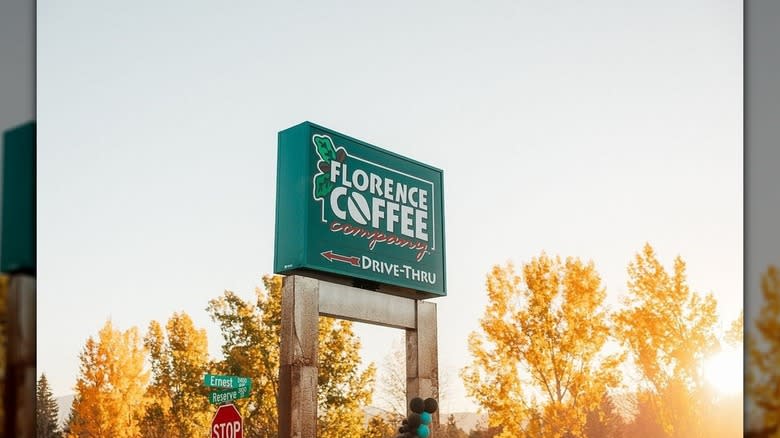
x,y
358,208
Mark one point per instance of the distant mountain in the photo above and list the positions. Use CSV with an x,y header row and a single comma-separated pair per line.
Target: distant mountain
x,y
63,408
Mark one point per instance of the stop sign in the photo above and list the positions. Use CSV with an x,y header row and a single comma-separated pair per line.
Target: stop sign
x,y
227,423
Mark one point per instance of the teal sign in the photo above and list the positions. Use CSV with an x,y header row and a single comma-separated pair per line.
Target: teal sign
x,y
222,397
356,211
226,382
17,232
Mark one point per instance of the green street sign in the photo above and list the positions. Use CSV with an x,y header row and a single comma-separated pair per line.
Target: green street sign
x,y
227,396
352,210
226,382
17,232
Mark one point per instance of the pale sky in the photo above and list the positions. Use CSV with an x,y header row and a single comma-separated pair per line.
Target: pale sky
x,y
575,128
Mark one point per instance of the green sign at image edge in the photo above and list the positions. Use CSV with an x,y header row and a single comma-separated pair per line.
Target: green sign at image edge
x,y
17,232
349,208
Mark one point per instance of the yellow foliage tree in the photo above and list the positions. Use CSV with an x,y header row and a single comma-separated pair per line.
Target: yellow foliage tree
x,y
725,414
735,333
668,329
763,378
110,388
343,390
381,426
252,332
178,403
539,364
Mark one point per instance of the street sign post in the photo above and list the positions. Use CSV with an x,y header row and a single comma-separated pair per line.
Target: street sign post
x,y
351,210
227,423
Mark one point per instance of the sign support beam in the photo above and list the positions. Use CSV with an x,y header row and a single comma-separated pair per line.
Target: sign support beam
x,y
303,300
422,357
297,403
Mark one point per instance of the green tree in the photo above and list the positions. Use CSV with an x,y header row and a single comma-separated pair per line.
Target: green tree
x,y
668,330
251,331
110,387
45,411
178,404
539,364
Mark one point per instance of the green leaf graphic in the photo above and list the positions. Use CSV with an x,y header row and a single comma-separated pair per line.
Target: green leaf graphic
x,y
322,185
325,148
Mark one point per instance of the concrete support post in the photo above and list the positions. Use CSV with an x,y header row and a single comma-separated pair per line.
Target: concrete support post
x,y
298,372
422,357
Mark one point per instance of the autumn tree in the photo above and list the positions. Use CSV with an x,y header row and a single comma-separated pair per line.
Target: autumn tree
x,y
178,404
251,331
381,426
645,423
605,421
735,334
763,378
46,425
539,365
343,389
724,416
724,411
668,330
110,387
489,432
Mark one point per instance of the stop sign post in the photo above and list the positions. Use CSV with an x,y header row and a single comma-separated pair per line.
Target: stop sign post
x,y
227,423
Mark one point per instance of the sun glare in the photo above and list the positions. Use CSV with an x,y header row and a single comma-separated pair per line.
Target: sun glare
x,y
724,371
